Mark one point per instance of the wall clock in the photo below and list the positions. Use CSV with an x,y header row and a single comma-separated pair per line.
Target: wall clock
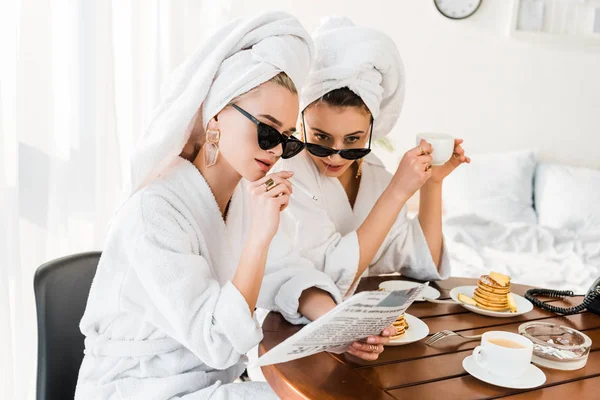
x,y
457,9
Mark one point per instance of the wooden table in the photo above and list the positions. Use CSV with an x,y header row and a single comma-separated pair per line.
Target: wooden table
x,y
417,371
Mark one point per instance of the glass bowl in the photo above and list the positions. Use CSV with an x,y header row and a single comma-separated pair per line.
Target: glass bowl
x,y
556,346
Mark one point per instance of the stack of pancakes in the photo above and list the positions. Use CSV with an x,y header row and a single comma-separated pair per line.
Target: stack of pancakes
x,y
491,295
401,326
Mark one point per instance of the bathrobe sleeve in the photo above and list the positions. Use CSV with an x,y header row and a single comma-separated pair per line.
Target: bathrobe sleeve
x,y
186,301
405,250
287,275
317,239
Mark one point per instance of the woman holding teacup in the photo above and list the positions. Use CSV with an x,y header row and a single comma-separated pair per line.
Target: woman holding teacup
x,y
352,220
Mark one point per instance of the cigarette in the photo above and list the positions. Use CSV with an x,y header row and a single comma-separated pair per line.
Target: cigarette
x,y
305,191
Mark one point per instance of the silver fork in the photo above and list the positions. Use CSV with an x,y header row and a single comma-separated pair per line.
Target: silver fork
x,y
445,334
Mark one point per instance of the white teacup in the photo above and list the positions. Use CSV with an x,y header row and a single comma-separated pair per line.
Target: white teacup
x,y
503,354
443,146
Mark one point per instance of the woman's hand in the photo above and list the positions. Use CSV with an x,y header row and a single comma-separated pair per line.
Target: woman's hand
x,y
439,173
373,347
413,171
268,197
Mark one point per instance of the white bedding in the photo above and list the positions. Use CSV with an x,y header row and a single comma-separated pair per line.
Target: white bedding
x,y
530,254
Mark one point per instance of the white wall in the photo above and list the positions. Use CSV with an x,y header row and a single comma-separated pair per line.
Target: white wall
x,y
469,79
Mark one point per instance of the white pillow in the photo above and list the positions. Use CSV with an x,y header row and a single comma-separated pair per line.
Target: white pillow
x,y
497,187
567,197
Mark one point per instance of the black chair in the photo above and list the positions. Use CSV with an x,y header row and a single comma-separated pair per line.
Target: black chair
x,y
61,291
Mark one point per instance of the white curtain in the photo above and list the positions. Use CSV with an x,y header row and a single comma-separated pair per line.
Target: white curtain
x,y
78,81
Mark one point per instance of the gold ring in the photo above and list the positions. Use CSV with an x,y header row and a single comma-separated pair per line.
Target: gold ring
x,y
455,155
269,184
373,348
422,151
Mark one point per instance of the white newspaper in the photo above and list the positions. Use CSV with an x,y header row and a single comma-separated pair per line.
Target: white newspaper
x,y
362,315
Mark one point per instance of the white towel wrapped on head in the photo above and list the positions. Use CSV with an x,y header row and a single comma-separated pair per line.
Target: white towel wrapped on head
x,y
237,58
362,59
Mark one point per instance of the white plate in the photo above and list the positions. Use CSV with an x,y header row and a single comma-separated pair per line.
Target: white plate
x,y
533,376
416,331
523,305
429,292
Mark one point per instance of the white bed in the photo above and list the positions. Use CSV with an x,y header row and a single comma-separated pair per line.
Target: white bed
x,y
538,223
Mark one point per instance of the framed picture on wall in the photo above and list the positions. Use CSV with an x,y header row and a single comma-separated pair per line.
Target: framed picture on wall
x,y
530,16
596,28
573,22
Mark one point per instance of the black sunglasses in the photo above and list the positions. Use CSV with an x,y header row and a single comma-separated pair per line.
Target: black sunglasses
x,y
269,137
324,151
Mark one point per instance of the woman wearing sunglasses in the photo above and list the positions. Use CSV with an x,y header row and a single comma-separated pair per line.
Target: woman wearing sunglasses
x,y
170,313
353,220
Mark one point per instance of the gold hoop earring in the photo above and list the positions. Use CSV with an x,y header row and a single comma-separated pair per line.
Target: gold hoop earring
x,y
211,147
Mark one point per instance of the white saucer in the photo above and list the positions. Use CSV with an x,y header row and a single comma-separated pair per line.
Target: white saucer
x,y
533,376
416,331
523,305
429,292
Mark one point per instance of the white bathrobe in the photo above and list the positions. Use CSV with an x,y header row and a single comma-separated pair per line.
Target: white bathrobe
x,y
163,319
324,231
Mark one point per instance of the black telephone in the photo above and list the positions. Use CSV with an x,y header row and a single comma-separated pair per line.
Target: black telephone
x,y
591,301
